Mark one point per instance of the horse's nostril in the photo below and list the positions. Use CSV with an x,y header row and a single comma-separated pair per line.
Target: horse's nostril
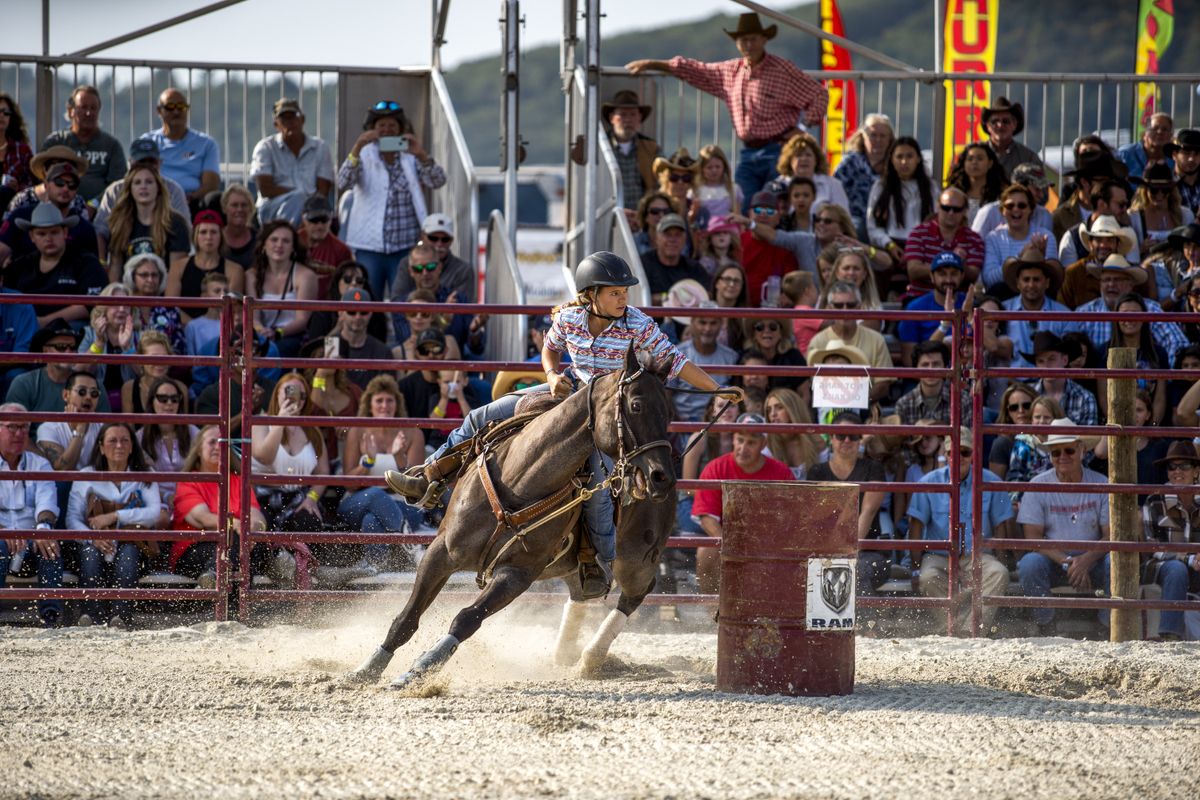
x,y
658,477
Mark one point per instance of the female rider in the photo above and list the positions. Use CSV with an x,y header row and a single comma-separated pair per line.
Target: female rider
x,y
596,329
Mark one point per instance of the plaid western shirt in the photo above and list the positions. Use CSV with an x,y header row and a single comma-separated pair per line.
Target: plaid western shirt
x,y
593,356
764,100
1078,403
401,228
1166,335
857,178
16,165
1190,192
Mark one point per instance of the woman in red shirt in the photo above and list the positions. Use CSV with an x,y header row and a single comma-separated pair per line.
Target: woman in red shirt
x,y
196,506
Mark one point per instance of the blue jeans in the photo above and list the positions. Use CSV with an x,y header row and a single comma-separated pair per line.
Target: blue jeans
x,y
597,511
1038,574
373,510
684,524
756,166
49,572
381,270
289,206
1173,577
95,572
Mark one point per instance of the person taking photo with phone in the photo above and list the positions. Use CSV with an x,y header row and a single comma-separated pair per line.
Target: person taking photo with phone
x,y
385,175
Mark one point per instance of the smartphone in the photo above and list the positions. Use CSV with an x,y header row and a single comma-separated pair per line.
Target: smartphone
x,y
393,144
332,347
291,391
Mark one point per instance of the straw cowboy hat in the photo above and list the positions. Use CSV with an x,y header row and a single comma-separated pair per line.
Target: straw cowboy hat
x,y
626,98
688,293
507,380
1028,260
836,347
1180,451
750,24
1117,263
1055,439
1107,225
57,153
1002,105
680,161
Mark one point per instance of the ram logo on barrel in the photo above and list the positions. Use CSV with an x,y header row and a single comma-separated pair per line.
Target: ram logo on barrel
x,y
837,588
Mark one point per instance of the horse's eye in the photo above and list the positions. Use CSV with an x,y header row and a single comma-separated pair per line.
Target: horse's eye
x,y
635,407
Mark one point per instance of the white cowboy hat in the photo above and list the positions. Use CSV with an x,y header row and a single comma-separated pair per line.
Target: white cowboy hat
x,y
687,293
836,347
1055,439
1106,225
1118,263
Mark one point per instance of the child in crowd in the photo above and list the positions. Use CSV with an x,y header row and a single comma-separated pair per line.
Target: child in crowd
x,y
801,292
721,246
716,193
801,194
205,328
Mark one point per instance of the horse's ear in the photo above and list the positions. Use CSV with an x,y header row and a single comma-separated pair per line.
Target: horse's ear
x,y
631,359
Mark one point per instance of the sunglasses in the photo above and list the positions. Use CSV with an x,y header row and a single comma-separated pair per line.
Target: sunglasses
x,y
1020,406
419,314
766,212
6,112
656,212
847,437
173,106
1194,293
92,393
1160,190
759,327
1016,206
430,267
954,209
358,313
320,219
430,351
845,305
61,347
386,105
167,398
681,179
65,183
440,238
1175,466
1064,451
354,280
1002,122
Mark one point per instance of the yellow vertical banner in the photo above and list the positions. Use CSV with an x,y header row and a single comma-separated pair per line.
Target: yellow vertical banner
x,y
969,36
841,117
1156,26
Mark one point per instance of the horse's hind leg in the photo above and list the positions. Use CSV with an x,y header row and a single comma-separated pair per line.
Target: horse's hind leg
x,y
507,584
433,572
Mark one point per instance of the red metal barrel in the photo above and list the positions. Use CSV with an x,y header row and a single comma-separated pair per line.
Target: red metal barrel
x,y
788,557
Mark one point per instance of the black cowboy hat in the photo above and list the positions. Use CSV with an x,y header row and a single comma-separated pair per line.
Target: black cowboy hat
x,y
1186,139
1156,176
1047,342
52,329
750,24
1183,234
1002,105
626,98
1180,451
386,108
1096,165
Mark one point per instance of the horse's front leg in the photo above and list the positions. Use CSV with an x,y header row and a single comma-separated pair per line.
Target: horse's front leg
x,y
508,583
642,573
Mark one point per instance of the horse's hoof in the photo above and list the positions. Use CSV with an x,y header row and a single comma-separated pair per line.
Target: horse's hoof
x,y
371,670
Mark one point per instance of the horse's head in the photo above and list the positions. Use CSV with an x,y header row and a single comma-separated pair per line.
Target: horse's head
x,y
634,425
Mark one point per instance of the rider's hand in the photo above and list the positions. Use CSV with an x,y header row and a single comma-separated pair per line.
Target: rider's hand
x,y
560,385
734,394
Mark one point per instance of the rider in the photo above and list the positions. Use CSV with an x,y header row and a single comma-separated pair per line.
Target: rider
x,y
596,328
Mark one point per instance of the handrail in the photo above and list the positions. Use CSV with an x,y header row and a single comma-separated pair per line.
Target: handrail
x,y
461,200
507,335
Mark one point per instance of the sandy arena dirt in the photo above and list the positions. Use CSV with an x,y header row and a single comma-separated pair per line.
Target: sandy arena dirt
x,y
218,710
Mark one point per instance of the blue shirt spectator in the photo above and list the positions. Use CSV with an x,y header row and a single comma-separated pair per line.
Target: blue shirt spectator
x,y
932,509
202,377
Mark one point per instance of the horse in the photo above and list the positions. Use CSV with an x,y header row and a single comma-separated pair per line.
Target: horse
x,y
624,414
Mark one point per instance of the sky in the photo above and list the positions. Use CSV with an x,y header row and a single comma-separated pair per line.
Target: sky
x,y
381,33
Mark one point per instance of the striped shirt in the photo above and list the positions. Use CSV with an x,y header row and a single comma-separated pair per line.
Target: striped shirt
x,y
594,356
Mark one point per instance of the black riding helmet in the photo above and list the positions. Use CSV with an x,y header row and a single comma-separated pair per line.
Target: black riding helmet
x,y
603,269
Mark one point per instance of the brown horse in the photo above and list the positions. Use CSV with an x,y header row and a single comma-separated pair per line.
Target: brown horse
x,y
623,414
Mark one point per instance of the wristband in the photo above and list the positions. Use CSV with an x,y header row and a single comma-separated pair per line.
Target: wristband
x,y
944,328
367,462
312,495
438,412
319,383
96,349
352,160
279,333
872,252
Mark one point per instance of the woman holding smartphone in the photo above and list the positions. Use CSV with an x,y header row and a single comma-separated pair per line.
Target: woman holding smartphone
x,y
387,159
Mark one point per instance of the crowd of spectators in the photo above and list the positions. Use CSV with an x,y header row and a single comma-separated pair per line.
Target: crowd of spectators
x,y
86,217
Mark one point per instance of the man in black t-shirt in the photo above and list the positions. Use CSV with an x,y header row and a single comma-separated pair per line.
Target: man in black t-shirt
x,y
666,264
52,268
353,326
421,390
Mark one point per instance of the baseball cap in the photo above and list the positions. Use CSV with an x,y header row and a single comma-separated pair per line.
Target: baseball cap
x,y
438,223
670,221
285,104
316,206
143,150
764,199
1031,175
541,323
354,295
431,336
944,260
63,168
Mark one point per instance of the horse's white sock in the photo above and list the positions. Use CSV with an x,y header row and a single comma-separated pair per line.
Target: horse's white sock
x,y
597,649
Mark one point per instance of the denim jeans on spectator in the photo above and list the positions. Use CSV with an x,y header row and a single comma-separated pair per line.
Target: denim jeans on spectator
x,y
288,205
755,167
374,510
1038,574
684,524
872,571
1173,577
49,572
95,572
381,271
202,557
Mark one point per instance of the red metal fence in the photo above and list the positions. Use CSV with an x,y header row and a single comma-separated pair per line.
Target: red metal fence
x,y
963,374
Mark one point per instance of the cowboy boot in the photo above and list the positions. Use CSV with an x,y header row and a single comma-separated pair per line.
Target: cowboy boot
x,y
595,579
411,484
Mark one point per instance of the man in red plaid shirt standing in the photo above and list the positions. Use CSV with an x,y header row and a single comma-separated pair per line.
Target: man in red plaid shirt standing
x,y
767,96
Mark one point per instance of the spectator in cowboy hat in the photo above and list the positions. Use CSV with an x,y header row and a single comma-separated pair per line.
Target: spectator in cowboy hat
x,y
290,166
1032,177
1186,152
38,166
1186,240
1116,277
1174,516
1002,121
929,517
387,188
1062,515
53,267
61,191
42,389
1157,205
762,119
1109,197
457,275
1051,352
1149,149
1034,281
624,113
1091,169
676,176
667,264
1104,237
104,155
142,152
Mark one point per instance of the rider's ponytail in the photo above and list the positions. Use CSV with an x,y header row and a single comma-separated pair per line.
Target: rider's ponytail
x,y
582,300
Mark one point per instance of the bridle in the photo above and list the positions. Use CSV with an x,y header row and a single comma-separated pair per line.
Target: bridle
x,y
623,469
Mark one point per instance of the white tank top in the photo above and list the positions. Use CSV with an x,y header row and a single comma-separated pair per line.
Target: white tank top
x,y
302,463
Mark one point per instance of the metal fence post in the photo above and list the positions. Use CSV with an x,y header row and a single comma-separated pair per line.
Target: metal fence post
x,y
978,461
247,387
954,461
221,610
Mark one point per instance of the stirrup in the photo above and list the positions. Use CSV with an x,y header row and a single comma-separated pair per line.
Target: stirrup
x,y
433,496
593,582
